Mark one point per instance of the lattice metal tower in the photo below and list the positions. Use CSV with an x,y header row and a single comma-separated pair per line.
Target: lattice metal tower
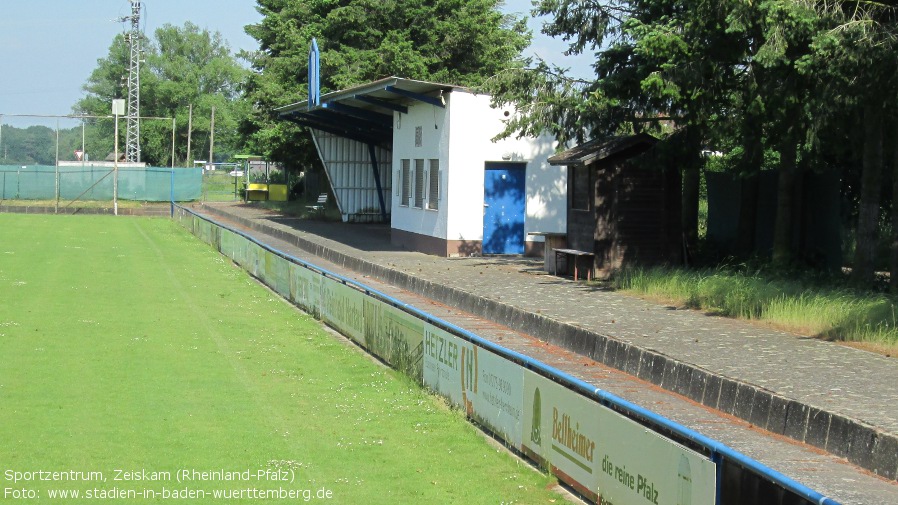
x,y
132,142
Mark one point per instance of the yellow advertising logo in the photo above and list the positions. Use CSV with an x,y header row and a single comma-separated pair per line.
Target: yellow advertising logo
x,y
535,435
569,435
468,373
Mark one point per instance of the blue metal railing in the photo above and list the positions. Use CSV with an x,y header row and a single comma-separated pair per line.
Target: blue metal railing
x,y
717,451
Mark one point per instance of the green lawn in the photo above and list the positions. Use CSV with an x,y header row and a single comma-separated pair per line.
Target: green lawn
x,y
126,344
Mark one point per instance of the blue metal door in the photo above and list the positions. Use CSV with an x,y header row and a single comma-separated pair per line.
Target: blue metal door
x,y
503,208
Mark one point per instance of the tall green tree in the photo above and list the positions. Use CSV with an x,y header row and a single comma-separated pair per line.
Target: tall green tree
x,y
772,80
458,42
657,63
184,66
33,145
856,59
790,95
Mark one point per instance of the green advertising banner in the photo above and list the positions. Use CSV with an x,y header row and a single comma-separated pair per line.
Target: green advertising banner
x,y
243,246
612,459
206,231
305,286
395,336
254,259
448,366
215,236
499,398
277,274
490,388
241,251
233,246
343,308
228,243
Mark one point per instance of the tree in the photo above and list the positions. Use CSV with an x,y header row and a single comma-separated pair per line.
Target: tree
x,y
454,41
657,63
856,59
34,145
791,97
183,66
769,79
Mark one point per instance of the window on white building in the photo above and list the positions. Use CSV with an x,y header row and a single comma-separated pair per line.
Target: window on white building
x,y
404,182
433,186
419,184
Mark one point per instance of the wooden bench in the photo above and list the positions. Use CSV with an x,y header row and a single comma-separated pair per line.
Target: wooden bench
x,y
319,205
575,255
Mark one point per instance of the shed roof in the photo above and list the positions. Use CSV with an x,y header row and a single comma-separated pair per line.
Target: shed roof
x,y
599,149
365,112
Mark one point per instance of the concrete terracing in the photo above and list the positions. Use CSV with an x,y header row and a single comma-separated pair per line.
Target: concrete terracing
x,y
835,403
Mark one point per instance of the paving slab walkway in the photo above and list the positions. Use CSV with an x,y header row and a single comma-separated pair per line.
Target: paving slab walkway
x,y
835,403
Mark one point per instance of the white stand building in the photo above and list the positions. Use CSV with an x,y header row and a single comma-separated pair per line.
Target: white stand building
x,y
420,156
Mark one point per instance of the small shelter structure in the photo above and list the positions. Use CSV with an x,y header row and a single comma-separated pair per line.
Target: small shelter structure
x,y
623,202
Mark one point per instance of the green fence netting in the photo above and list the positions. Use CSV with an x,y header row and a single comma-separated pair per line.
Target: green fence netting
x,y
150,184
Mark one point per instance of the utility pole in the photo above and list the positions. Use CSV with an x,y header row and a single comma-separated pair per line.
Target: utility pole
x,y
189,133
83,153
118,107
132,142
211,137
173,124
57,166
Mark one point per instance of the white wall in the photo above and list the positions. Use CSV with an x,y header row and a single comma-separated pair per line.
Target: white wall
x,y
474,124
460,137
434,124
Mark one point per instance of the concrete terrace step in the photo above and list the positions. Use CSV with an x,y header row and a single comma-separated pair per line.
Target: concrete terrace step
x,y
814,392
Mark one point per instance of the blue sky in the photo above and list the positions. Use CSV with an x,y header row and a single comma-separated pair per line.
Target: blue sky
x,y
48,48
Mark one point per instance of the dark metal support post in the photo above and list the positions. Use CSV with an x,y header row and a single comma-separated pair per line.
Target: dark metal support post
x,y
380,192
172,192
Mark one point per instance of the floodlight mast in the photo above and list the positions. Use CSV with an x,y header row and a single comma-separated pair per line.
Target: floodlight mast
x,y
132,142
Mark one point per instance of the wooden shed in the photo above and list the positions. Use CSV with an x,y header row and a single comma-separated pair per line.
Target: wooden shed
x,y
623,202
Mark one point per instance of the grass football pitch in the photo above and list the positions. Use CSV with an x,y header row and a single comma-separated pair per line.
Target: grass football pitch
x,y
135,361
